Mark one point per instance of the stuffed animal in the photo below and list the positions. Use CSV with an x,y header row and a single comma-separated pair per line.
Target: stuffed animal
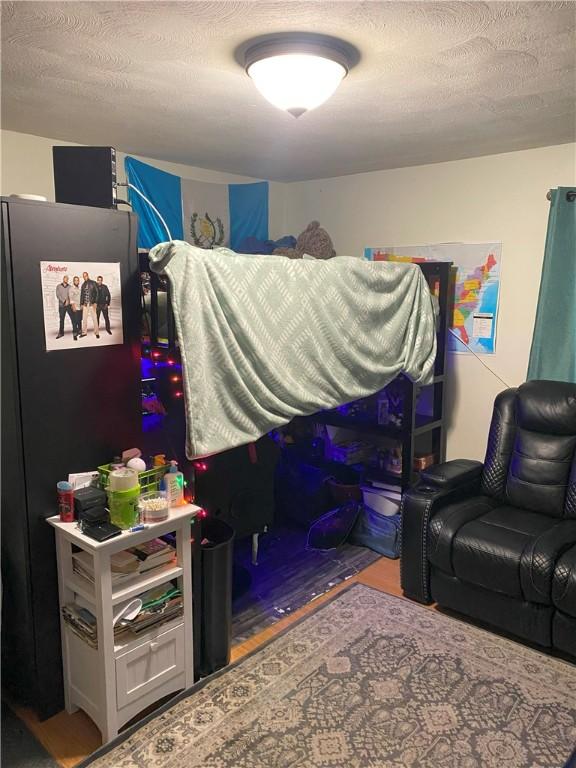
x,y
314,241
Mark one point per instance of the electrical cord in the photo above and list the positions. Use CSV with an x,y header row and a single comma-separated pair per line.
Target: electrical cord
x,y
156,211
478,358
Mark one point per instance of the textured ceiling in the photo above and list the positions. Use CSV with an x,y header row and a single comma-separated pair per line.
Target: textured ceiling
x,y
436,81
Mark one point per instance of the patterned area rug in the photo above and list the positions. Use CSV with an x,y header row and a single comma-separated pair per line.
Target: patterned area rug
x,y
369,681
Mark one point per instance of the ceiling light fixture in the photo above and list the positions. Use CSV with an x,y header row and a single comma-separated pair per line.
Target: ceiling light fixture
x,y
299,71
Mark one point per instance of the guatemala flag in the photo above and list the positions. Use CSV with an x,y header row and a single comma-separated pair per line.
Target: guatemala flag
x,y
204,214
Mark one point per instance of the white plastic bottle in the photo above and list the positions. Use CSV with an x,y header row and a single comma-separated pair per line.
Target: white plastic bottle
x,y
174,485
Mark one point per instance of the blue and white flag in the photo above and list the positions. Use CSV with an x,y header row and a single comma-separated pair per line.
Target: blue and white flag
x,y
204,214
164,191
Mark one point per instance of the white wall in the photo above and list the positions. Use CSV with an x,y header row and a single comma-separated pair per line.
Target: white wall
x,y
27,169
500,197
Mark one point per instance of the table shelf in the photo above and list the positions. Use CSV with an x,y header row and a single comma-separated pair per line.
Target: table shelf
x,y
128,588
123,676
145,581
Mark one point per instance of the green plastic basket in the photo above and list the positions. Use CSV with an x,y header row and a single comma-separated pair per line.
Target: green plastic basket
x,y
148,480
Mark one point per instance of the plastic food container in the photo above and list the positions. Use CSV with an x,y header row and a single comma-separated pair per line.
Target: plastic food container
x,y
123,492
154,507
123,507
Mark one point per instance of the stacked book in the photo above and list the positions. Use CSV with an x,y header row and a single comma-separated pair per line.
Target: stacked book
x,y
128,562
151,554
83,565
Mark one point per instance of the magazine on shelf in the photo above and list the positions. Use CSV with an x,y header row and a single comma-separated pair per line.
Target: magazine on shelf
x,y
151,609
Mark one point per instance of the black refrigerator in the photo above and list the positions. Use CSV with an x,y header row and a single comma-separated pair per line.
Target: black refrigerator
x,y
65,410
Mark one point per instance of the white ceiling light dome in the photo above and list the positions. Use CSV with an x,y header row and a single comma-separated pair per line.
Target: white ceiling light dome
x,y
298,72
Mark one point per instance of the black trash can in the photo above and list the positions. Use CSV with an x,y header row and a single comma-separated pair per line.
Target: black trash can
x,y
216,547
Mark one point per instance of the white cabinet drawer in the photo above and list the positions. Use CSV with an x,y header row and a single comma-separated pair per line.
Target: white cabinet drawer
x,y
149,665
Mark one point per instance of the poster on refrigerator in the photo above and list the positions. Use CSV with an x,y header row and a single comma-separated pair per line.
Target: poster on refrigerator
x,y
477,288
82,304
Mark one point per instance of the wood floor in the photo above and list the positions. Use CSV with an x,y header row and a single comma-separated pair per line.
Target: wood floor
x,y
71,738
289,574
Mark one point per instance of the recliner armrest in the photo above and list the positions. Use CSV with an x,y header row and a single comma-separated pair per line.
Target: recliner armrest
x,y
451,474
440,485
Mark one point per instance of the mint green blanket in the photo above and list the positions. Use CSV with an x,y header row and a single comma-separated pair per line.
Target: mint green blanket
x,y
266,338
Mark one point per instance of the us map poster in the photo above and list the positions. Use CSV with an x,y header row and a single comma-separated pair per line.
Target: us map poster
x,y
477,289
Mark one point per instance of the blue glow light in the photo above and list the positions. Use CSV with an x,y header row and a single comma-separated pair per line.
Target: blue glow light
x,y
146,368
152,422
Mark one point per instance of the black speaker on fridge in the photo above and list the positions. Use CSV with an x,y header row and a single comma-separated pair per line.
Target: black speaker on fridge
x,y
85,176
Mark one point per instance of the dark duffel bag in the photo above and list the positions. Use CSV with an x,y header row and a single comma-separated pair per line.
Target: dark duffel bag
x,y
378,532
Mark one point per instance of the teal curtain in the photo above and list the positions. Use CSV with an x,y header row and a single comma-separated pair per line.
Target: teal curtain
x,y
553,352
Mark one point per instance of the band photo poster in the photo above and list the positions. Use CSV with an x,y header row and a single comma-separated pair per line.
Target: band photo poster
x,y
82,304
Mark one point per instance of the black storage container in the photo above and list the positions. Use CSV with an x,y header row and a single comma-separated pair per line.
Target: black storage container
x,y
216,546
307,488
245,498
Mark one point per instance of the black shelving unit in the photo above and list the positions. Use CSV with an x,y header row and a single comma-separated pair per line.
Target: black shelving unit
x,y
427,429
159,324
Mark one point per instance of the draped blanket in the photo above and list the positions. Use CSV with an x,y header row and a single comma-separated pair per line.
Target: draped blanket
x,y
266,338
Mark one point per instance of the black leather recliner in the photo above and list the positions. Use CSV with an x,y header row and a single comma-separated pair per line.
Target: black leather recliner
x,y
497,541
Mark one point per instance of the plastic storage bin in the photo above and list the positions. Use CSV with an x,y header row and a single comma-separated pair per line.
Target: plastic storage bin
x,y
154,507
123,507
149,480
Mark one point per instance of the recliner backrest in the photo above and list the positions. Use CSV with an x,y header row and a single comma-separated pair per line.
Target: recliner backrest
x,y
531,455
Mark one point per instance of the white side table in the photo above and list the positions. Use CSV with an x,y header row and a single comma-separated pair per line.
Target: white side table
x,y
120,678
